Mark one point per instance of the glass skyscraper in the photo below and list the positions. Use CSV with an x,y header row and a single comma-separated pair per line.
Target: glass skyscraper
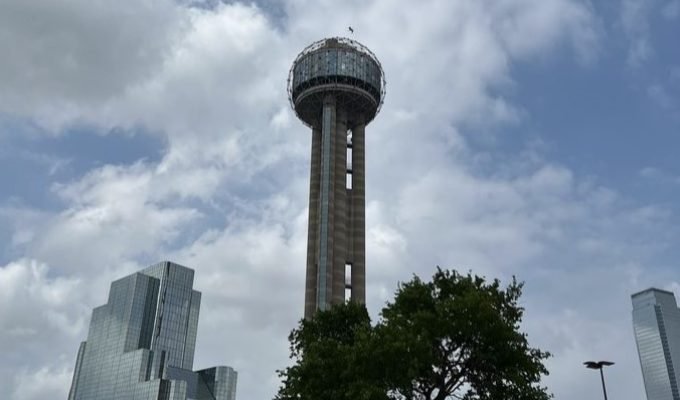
x,y
656,321
140,345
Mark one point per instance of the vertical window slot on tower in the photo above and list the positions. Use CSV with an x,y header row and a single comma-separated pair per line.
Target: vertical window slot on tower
x,y
349,158
348,281
348,179
348,163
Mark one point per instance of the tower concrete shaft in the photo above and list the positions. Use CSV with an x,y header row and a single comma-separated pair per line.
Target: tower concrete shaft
x,y
336,231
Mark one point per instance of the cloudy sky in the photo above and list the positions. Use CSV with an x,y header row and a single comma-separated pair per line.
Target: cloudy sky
x,y
535,138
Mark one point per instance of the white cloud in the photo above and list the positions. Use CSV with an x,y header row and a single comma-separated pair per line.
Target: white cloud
x,y
528,27
224,72
41,384
657,175
62,55
635,16
41,317
26,283
114,214
636,20
661,97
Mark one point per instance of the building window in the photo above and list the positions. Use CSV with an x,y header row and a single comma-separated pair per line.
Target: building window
x,y
348,281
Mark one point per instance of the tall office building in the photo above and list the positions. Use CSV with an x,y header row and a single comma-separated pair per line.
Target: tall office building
x,y
336,86
656,321
140,345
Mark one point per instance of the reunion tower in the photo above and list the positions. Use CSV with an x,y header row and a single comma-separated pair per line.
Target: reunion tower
x,y
336,87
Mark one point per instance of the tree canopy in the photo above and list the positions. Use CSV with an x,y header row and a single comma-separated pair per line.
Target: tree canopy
x,y
454,337
334,360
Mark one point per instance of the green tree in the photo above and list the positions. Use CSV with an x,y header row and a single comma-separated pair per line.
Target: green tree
x,y
333,358
456,337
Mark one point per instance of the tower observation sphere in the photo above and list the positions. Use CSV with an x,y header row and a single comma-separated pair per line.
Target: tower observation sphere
x,y
336,87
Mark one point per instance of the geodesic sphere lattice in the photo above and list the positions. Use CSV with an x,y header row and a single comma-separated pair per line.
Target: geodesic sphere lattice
x,y
343,68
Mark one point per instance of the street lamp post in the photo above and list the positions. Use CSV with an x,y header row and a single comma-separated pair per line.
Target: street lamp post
x,y
599,365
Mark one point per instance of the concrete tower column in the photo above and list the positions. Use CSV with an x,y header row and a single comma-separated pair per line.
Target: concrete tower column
x,y
312,227
340,226
326,216
358,204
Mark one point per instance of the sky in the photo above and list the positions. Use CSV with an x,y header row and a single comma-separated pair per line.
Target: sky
x,y
527,138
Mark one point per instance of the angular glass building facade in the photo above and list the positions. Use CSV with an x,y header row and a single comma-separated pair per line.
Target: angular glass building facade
x,y
141,343
656,322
